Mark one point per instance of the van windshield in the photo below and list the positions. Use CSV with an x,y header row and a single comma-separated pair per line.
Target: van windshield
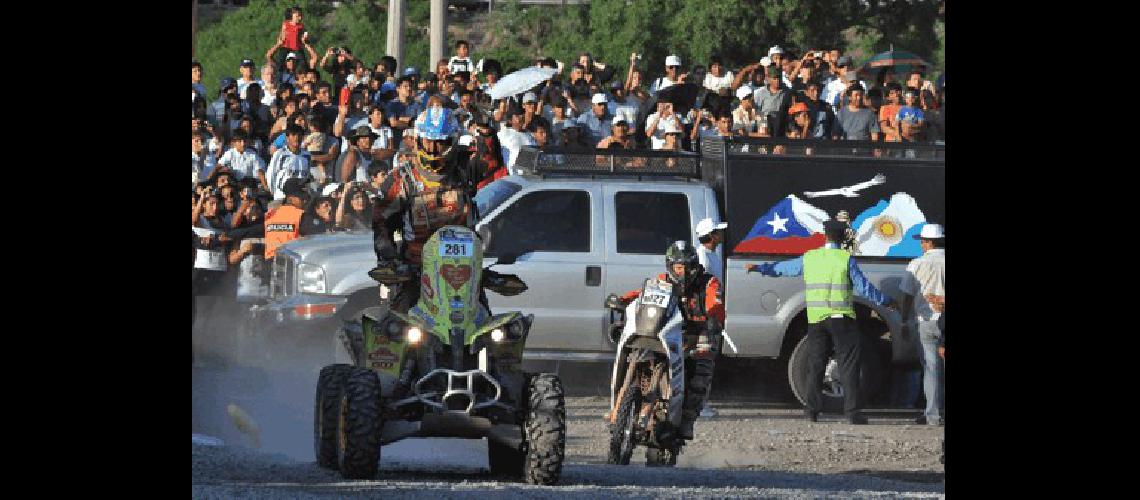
x,y
494,194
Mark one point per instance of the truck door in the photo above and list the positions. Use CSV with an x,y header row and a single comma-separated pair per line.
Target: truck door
x,y
563,268
640,226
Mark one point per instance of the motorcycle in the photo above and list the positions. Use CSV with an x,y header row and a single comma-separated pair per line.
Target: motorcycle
x,y
647,387
447,368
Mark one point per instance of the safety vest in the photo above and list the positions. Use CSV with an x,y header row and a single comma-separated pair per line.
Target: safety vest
x,y
281,225
828,283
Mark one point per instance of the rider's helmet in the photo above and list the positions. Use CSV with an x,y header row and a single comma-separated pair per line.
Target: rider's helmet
x,y
435,133
681,252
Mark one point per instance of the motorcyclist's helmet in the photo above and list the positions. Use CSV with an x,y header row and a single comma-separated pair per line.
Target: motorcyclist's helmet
x,y
681,252
438,124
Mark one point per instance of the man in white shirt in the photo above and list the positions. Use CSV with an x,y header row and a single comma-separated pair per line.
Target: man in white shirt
x,y
671,78
924,286
289,162
711,235
836,88
246,69
512,138
461,60
241,161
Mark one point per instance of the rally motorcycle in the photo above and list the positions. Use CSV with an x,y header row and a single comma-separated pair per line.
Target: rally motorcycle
x,y
647,388
447,368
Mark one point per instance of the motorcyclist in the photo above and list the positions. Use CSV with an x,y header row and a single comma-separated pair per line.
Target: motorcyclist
x,y
426,192
702,307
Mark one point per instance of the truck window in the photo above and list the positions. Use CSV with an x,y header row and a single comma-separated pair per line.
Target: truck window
x,y
545,221
494,194
648,222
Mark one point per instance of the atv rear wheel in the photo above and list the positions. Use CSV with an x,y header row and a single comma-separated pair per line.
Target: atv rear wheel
x,y
326,411
660,457
359,425
621,434
545,429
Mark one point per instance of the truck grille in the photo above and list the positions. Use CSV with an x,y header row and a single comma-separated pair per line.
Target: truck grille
x,y
282,280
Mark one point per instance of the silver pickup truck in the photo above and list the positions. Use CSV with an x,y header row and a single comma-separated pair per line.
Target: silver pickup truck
x,y
583,234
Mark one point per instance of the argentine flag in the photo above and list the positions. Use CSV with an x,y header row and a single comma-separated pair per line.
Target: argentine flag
x,y
887,229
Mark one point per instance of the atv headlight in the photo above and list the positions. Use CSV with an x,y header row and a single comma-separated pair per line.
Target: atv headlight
x,y
415,335
310,279
498,335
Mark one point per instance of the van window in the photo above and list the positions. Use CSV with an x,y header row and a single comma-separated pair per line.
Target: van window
x,y
647,223
545,221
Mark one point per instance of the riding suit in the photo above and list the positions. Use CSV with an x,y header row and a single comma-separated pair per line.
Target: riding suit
x,y
417,198
702,307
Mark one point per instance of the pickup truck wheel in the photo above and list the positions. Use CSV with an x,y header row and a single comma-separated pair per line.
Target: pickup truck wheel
x,y
326,410
872,377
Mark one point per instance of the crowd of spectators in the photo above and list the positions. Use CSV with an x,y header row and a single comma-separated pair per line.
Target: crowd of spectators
x,y
338,123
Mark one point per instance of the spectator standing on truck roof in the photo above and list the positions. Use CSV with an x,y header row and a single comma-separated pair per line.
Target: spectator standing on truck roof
x,y
924,286
831,277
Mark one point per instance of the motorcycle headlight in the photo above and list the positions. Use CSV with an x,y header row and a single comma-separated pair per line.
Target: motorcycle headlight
x,y
415,335
310,279
498,335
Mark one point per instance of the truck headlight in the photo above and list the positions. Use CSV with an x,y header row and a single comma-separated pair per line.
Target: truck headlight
x,y
310,279
415,335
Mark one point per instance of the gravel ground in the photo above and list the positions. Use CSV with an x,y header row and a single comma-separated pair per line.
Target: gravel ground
x,y
747,450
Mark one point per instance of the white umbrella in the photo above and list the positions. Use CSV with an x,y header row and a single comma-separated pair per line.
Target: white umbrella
x,y
520,81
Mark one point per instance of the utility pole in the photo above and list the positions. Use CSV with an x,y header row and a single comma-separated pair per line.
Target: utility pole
x,y
396,23
438,35
194,31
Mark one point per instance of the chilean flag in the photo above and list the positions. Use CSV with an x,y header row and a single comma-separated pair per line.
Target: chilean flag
x,y
792,226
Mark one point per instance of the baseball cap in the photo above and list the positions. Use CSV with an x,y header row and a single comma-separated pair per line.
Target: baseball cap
x,y
798,107
931,232
599,99
292,55
844,61
294,187
673,61
246,63
331,188
411,71
227,82
706,226
530,97
775,50
744,91
619,119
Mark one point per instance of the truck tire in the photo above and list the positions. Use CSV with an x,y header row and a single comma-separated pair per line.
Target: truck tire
x,y
359,425
873,371
545,429
621,433
326,411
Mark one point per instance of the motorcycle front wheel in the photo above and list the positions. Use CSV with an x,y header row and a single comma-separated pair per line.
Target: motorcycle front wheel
x,y
622,433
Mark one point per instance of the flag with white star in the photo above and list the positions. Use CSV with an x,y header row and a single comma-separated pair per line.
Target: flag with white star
x,y
791,226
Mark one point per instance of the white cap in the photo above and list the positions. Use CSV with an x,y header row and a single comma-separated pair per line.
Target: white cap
x,y
292,55
619,118
599,98
706,226
670,127
529,97
775,50
931,232
672,61
765,61
466,140
330,189
743,91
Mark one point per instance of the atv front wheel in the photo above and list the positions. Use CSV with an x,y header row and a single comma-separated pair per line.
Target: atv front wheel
x,y
621,434
359,425
545,428
326,411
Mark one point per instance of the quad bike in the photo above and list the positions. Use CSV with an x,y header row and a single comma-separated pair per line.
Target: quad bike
x,y
647,388
447,368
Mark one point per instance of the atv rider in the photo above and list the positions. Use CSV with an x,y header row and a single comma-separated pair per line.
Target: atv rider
x,y
432,190
702,307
